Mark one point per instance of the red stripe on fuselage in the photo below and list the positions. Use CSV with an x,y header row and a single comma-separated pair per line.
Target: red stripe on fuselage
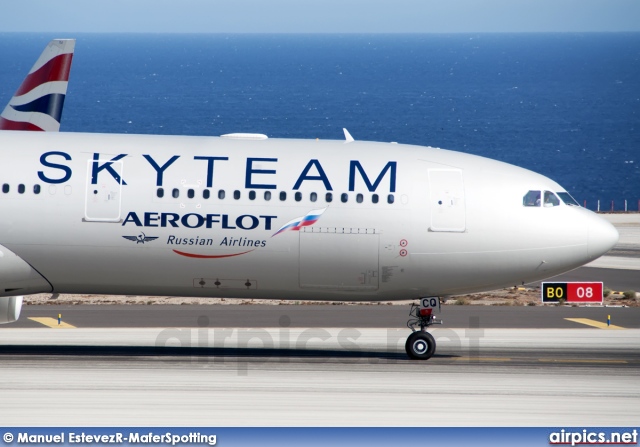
x,y
193,255
5,124
57,69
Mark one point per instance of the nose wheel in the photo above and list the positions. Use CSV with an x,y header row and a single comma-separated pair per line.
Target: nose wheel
x,y
420,344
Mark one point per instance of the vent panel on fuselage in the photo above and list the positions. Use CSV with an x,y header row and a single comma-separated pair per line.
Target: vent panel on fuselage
x,y
446,192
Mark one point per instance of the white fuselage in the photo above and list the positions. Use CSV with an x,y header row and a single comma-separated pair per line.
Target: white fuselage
x,y
457,223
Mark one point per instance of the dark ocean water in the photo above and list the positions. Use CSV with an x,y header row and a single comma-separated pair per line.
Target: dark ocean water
x,y
564,105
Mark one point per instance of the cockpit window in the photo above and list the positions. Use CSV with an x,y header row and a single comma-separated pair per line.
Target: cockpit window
x,y
532,198
567,199
550,199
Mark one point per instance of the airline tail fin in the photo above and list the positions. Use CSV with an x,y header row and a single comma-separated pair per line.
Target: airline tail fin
x,y
37,104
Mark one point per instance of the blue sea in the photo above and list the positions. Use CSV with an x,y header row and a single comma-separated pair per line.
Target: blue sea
x,y
564,105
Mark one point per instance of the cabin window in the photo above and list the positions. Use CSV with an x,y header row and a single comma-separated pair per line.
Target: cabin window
x,y
567,199
221,194
252,195
550,199
175,193
532,198
328,197
5,188
21,189
36,189
344,197
159,192
283,196
206,194
391,198
313,197
374,198
298,196
359,198
191,193
236,194
267,195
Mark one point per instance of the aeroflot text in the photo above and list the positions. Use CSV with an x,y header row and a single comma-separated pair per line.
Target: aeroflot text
x,y
194,220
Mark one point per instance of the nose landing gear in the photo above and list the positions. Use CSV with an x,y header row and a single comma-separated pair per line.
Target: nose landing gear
x,y
420,344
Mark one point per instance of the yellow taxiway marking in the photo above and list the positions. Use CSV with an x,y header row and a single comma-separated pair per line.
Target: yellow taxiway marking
x,y
52,322
594,323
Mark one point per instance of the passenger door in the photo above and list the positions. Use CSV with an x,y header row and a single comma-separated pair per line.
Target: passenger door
x,y
103,200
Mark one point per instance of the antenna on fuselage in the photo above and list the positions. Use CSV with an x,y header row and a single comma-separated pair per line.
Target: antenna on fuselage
x,y
347,135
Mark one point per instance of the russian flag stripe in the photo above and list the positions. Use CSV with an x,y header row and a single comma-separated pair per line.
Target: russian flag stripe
x,y
299,222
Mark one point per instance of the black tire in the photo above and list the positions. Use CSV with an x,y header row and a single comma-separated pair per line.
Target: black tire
x,y
420,346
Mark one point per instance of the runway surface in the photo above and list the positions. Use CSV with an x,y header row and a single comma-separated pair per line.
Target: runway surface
x,y
287,376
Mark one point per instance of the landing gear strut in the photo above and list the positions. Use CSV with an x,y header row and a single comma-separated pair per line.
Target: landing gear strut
x,y
420,344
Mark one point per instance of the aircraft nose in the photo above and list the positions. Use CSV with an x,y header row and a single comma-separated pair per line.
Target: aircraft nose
x,y
602,237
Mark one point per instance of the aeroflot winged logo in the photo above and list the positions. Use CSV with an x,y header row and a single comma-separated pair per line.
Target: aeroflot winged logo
x,y
295,224
141,238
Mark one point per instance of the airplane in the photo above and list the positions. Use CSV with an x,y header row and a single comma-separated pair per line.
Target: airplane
x,y
37,104
248,216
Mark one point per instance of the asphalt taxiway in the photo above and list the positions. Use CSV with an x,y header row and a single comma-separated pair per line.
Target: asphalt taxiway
x,y
313,316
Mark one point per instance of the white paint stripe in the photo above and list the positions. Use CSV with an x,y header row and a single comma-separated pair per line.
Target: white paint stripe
x,y
42,120
40,91
53,49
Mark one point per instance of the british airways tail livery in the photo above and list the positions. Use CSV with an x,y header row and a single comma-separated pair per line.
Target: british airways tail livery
x,y
247,216
37,104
